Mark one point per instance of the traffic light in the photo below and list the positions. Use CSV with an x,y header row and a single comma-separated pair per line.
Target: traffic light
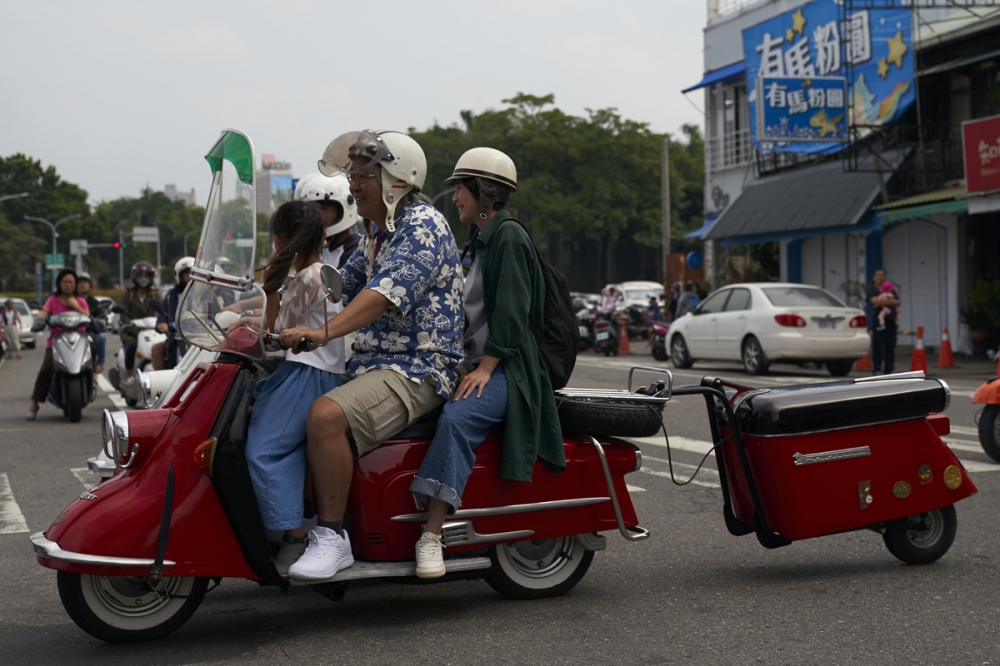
x,y
116,245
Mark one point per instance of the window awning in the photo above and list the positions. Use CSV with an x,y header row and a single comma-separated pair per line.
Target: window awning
x,y
700,231
733,71
925,204
805,202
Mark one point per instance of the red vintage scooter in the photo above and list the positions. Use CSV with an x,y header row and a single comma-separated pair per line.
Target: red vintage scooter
x,y
135,555
988,418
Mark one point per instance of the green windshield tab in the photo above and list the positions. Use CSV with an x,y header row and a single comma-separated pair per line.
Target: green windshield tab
x,y
235,149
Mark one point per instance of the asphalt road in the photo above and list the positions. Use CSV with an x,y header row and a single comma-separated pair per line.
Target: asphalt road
x,y
690,594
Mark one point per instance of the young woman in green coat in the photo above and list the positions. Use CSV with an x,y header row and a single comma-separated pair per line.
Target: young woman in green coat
x,y
507,379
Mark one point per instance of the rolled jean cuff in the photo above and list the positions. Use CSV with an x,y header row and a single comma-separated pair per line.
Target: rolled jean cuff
x,y
423,489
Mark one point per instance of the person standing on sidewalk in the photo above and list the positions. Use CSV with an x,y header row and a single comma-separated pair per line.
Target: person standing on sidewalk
x,y
883,337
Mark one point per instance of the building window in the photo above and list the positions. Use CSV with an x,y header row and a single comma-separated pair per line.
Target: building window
x,y
729,141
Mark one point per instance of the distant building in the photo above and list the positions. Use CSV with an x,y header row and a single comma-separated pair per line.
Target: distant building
x,y
170,190
274,184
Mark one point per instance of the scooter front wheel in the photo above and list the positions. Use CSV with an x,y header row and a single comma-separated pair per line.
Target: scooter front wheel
x,y
538,569
126,609
929,539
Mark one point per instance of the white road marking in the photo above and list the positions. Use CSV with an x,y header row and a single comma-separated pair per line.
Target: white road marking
x,y
676,443
666,475
964,430
634,489
971,467
85,476
11,519
963,445
105,384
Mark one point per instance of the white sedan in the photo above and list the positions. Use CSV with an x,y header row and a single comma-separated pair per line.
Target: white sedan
x,y
768,322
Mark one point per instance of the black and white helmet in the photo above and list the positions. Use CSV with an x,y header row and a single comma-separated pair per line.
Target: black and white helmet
x,y
143,274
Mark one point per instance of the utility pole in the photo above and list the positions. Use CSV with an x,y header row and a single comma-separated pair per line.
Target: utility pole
x,y
665,205
55,235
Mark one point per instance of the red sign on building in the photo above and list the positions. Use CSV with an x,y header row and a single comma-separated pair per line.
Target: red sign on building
x,y
981,147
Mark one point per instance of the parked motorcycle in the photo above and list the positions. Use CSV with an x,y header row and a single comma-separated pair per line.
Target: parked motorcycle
x,y
659,342
637,322
148,336
72,386
585,327
988,417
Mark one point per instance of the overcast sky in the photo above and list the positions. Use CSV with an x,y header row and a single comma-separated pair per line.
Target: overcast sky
x,y
120,94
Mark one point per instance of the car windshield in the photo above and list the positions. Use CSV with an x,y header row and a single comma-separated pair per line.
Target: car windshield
x,y
784,297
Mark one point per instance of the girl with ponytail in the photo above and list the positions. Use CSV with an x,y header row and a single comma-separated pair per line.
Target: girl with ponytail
x,y
276,437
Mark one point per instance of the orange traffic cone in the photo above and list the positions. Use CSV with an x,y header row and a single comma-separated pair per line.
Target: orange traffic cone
x,y
919,361
623,345
945,359
864,364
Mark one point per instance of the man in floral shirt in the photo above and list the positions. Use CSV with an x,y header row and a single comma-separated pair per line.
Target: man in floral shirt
x,y
404,287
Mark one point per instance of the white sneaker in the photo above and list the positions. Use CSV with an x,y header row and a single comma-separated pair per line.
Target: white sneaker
x,y
430,561
288,554
326,554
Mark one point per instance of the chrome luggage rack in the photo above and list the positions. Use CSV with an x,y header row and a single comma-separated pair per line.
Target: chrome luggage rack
x,y
658,398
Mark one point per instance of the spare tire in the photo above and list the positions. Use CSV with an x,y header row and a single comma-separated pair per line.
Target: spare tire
x,y
607,418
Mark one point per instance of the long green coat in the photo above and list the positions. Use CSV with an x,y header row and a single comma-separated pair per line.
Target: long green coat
x,y
514,300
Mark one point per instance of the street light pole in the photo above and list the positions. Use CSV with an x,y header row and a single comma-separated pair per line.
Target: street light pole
x,y
13,196
55,235
188,234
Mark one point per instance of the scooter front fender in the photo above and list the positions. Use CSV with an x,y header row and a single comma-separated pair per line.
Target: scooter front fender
x,y
121,517
988,393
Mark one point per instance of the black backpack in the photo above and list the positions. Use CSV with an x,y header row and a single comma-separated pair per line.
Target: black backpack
x,y
562,337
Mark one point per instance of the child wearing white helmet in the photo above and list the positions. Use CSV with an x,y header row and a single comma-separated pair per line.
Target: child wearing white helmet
x,y
340,213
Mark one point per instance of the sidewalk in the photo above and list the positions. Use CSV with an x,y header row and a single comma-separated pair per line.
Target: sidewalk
x,y
965,367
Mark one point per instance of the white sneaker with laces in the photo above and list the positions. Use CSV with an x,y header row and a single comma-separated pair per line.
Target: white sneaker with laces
x,y
430,560
288,554
326,553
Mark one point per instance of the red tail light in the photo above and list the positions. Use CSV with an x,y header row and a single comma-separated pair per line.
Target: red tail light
x,y
203,455
791,320
859,322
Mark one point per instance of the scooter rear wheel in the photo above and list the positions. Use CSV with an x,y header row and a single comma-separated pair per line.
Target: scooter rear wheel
x,y
989,431
928,543
538,569
125,609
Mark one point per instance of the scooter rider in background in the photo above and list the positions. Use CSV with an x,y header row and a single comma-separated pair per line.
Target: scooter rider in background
x,y
136,304
340,214
404,286
165,354
96,328
62,300
507,378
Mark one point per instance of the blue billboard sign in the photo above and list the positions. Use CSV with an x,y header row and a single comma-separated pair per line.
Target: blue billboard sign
x,y
807,50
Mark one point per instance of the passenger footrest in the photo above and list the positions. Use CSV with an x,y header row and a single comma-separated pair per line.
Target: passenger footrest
x,y
362,569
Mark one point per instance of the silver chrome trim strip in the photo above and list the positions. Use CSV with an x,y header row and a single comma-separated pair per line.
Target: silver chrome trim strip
x,y
830,456
916,374
504,510
462,533
50,550
947,393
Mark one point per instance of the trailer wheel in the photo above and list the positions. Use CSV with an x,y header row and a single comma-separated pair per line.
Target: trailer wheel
x,y
609,419
927,536
126,609
538,569
989,431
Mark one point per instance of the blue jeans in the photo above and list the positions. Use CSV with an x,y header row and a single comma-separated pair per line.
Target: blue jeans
x,y
884,349
276,439
100,344
462,427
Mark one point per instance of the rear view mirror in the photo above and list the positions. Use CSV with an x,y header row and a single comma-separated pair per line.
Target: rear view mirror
x,y
332,282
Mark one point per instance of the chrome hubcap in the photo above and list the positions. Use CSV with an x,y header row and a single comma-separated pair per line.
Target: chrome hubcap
x,y
541,558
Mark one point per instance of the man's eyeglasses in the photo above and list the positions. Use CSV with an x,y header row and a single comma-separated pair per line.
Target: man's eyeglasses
x,y
361,178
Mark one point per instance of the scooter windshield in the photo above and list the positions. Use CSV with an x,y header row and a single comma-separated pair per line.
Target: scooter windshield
x,y
222,276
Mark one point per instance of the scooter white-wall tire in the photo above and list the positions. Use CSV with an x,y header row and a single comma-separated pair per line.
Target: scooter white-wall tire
x,y
116,610
538,569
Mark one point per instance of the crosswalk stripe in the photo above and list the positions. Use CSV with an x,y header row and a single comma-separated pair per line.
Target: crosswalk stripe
x,y
11,519
666,475
963,445
964,430
84,476
676,443
634,489
105,384
680,465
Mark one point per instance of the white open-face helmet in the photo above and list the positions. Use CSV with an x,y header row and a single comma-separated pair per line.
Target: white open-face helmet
x,y
183,264
495,174
402,160
330,189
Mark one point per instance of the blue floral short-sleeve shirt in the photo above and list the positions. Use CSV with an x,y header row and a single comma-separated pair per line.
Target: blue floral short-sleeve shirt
x,y
417,269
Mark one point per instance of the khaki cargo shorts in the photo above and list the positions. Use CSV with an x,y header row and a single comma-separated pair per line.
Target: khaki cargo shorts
x,y
380,403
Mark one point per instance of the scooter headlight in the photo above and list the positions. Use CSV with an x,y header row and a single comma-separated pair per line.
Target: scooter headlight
x,y
115,429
